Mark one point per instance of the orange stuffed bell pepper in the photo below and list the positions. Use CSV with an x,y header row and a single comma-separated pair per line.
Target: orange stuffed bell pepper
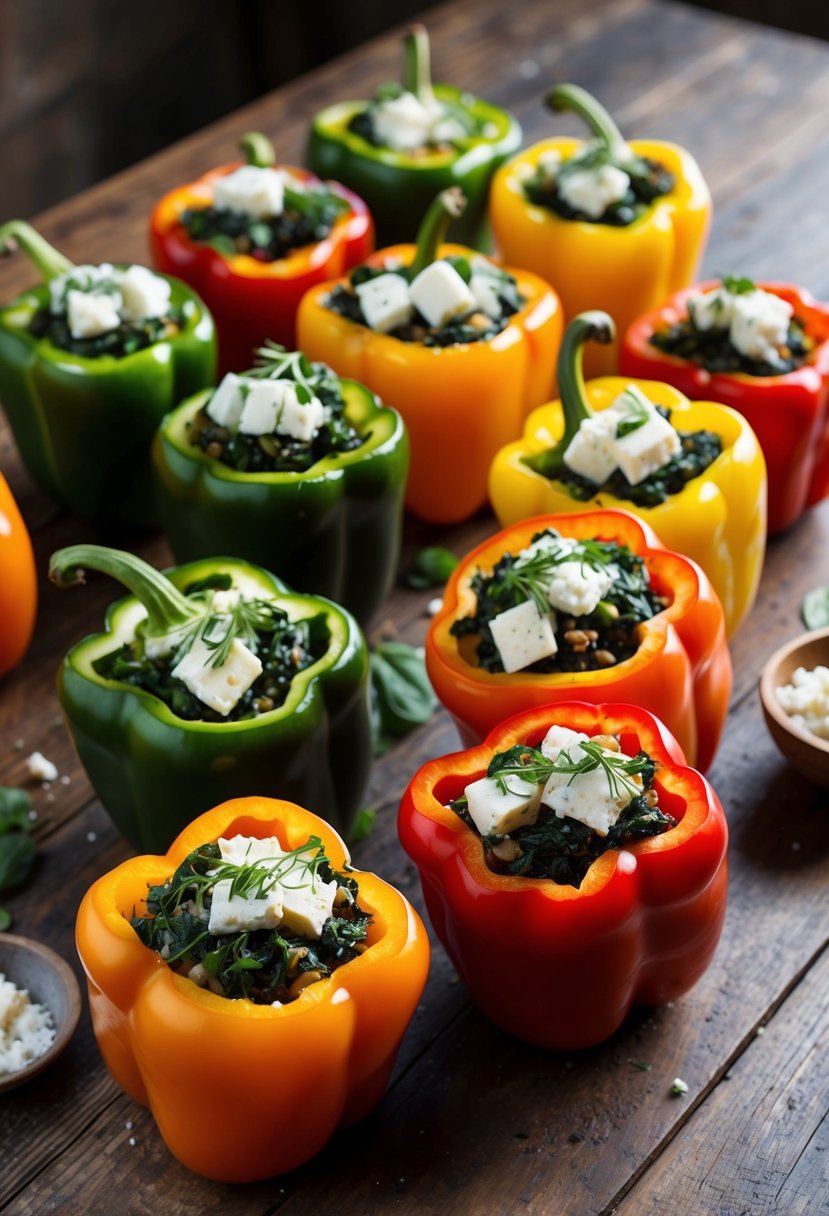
x,y
252,245
284,985
18,582
572,866
623,618
461,347
700,482
615,226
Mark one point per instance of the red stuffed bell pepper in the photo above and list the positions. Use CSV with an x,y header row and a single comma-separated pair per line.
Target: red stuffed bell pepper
x,y
783,393
554,961
252,252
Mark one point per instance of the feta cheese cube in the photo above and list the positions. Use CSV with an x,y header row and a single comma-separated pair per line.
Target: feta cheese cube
x,y
158,647
84,278
486,290
589,452
576,587
218,688
297,419
494,810
548,164
385,302
760,324
251,191
560,739
226,404
647,448
403,123
243,913
711,309
91,315
523,636
587,797
592,191
263,400
307,901
250,850
41,769
143,293
439,294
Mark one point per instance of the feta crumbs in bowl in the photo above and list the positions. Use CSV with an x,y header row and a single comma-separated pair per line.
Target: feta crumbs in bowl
x,y
40,1003
27,1028
794,691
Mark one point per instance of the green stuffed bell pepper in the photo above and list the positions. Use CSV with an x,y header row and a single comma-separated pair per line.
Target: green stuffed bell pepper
x,y
214,681
293,468
90,361
411,141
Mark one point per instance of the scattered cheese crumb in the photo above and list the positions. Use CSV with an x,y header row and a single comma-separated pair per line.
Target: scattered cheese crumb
x,y
41,769
133,1142
91,836
27,1029
434,606
679,1087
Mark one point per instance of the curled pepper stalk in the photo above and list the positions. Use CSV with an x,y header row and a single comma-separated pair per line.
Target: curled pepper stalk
x,y
571,97
450,204
417,76
48,260
257,150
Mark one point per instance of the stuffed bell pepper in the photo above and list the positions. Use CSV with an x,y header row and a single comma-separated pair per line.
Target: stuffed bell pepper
x,y
250,986
90,362
572,866
410,141
583,606
252,238
461,346
291,468
693,470
764,350
213,681
614,225
18,582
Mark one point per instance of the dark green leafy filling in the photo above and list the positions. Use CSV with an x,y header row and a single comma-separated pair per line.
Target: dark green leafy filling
x,y
308,217
261,965
362,123
127,339
649,180
713,349
602,638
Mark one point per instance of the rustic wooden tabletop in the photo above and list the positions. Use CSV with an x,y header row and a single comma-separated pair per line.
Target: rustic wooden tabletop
x,y
474,1121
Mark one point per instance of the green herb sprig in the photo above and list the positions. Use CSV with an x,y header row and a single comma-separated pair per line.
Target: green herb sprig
x,y
532,765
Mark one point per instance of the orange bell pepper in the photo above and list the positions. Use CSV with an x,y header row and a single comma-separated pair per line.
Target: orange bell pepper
x,y
18,582
243,1091
460,403
681,671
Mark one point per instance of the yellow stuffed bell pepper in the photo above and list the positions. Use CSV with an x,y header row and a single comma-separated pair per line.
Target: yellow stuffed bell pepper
x,y
614,225
704,493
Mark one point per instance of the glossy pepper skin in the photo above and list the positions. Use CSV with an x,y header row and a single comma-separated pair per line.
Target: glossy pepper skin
x,y
332,530
624,271
252,300
718,519
273,1084
399,186
789,414
460,403
561,966
18,582
84,426
681,671
154,771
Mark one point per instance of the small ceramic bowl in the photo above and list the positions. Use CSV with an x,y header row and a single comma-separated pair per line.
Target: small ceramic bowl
x,y
803,750
49,981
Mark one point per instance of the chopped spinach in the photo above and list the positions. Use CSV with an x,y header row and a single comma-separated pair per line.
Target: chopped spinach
x,y
128,338
714,350
649,180
308,217
430,567
17,848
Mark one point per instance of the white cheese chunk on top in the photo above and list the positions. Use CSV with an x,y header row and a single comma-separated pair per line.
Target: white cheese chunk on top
x,y
498,811
158,647
250,850
486,291
711,309
262,400
440,294
589,452
226,405
587,797
592,191
307,902
403,123
760,324
596,450
241,913
295,418
143,293
385,302
83,278
560,738
577,587
523,636
92,314
250,190
218,688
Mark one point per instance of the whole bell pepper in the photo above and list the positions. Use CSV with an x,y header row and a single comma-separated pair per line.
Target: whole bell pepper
x,y
254,300
18,582
84,425
154,770
681,670
623,270
788,413
399,185
243,1091
560,965
718,519
331,530
459,402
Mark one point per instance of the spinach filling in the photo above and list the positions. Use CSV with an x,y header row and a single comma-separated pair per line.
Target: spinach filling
x,y
564,849
260,965
308,217
363,122
604,637
128,338
713,349
649,180
284,648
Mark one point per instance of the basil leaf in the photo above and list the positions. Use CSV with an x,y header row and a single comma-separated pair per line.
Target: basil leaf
x,y
362,824
17,852
15,805
737,286
431,567
815,608
403,696
5,920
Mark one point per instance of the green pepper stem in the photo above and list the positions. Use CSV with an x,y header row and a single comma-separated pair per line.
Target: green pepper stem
x,y
257,150
571,97
448,206
46,258
417,76
586,327
167,608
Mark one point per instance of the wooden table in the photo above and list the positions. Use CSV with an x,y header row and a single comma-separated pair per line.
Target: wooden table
x,y
474,1121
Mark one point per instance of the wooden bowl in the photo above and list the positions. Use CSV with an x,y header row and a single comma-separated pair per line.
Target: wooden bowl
x,y
803,750
50,981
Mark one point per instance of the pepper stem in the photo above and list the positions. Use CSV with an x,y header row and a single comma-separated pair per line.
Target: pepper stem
x,y
46,258
571,97
257,150
448,206
167,608
417,77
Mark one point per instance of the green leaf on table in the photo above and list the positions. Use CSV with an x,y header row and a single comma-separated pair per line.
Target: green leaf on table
x,y
431,567
402,697
362,825
5,920
15,805
815,608
17,849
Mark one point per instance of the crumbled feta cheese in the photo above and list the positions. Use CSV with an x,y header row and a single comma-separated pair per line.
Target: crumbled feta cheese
x,y
158,647
225,601
595,451
226,405
247,850
263,399
41,769
385,302
221,687
143,293
587,797
711,309
760,324
577,587
440,294
523,636
486,288
806,700
297,419
447,130
403,123
27,1029
238,913
83,278
589,452
560,738
494,810
592,191
252,191
90,315
548,164
307,901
